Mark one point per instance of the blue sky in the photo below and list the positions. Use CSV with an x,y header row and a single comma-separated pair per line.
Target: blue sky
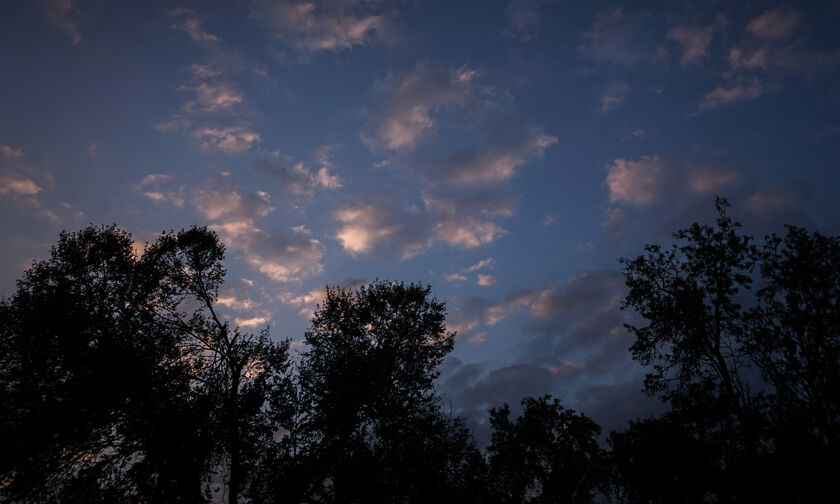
x,y
506,152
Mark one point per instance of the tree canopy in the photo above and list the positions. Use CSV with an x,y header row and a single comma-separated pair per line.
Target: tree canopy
x,y
121,382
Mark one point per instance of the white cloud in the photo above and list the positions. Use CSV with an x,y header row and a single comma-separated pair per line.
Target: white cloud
x,y
486,280
10,152
230,140
650,178
223,199
251,322
191,25
208,98
484,263
636,182
368,229
322,26
18,185
492,162
409,102
774,24
695,40
730,93
299,178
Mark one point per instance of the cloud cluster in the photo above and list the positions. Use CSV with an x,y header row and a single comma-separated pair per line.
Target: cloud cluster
x,y
767,50
327,25
650,178
214,117
188,22
236,213
300,179
574,345
464,178
410,101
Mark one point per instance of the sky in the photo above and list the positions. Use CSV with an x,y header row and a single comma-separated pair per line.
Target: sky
x,y
505,152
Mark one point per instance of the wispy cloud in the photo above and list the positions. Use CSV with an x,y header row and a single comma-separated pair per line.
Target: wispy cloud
x,y
523,17
614,95
409,102
228,139
60,14
189,23
323,26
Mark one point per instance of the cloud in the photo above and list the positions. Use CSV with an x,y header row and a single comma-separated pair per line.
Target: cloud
x,y
486,280
18,185
409,102
191,25
151,187
774,24
281,256
616,222
230,139
209,98
235,213
59,14
648,179
695,40
454,228
328,25
637,182
523,17
614,95
381,229
484,263
10,152
251,322
775,199
298,178
310,300
730,93
764,55
622,38
491,161
223,199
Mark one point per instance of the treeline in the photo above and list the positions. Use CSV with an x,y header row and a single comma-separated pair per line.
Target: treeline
x,y
121,383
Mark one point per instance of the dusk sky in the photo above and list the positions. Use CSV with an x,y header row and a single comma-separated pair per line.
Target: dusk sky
x,y
505,152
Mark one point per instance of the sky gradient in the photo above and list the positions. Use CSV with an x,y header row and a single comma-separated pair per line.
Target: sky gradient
x,y
505,152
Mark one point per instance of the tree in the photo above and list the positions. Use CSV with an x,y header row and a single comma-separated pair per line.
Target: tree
x,y
549,454
688,294
119,379
795,342
368,377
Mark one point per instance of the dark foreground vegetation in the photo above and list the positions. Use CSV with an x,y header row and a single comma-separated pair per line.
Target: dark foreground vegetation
x,y
120,383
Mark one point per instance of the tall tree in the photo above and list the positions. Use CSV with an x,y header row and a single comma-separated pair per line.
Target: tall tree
x,y
688,295
368,375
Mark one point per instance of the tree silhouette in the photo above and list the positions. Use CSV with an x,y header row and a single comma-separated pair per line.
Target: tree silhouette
x,y
694,339
368,375
120,381
549,454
